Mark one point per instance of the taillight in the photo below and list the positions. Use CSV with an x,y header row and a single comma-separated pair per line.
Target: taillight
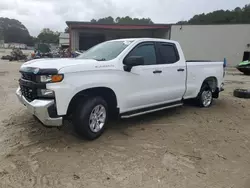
x,y
225,63
224,67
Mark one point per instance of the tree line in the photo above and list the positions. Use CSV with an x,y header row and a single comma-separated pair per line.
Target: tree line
x,y
13,31
236,16
122,20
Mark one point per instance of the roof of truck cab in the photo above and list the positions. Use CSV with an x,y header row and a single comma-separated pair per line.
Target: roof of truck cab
x,y
144,39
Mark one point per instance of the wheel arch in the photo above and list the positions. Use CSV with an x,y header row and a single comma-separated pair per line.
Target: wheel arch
x,y
105,92
212,82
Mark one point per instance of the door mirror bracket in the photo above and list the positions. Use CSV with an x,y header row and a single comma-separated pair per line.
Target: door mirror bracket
x,y
132,61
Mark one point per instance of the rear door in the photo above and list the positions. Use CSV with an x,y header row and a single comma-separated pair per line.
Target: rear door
x,y
172,79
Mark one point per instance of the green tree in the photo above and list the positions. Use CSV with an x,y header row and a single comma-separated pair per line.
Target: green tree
x,y
1,33
117,20
93,21
12,30
122,20
48,36
107,20
238,15
66,30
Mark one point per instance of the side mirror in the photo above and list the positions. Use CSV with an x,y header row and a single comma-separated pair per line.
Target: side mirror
x,y
132,61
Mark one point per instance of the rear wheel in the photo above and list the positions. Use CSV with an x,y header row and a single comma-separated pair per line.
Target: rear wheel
x,y
90,118
205,96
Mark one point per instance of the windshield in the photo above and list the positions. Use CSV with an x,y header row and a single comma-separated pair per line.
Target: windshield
x,y
105,51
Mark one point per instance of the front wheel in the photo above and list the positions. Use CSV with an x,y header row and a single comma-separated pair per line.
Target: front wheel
x,y
205,97
90,118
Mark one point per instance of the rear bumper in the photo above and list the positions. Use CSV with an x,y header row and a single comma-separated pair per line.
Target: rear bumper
x,y
40,108
221,87
216,93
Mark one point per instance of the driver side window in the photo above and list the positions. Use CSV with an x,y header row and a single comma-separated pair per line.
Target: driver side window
x,y
147,51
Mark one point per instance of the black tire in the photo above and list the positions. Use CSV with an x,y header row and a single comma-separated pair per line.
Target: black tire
x,y
81,117
242,93
246,73
200,99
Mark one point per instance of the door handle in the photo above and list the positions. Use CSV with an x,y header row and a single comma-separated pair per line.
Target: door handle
x,y
157,72
181,70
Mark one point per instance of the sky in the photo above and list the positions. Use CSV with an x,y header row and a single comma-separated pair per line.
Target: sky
x,y
39,14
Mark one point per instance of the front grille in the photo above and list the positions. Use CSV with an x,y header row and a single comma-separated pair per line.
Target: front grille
x,y
28,76
29,93
28,85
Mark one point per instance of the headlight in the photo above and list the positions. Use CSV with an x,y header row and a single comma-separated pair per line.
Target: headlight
x,y
45,93
50,78
45,78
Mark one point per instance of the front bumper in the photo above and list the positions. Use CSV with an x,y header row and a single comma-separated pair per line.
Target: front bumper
x,y
39,108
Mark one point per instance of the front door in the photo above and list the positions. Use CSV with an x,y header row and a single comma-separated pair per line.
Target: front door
x,y
143,88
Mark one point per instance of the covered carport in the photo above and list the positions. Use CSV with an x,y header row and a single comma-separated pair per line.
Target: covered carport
x,y
84,35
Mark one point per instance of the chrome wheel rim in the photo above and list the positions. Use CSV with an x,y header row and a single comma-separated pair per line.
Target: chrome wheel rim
x,y
97,118
206,98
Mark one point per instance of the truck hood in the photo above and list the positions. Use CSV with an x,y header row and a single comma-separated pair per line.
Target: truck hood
x,y
60,63
57,63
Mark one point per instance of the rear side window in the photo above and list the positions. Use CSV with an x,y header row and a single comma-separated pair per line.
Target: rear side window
x,y
147,51
168,53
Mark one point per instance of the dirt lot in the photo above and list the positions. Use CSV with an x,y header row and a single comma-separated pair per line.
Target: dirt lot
x,y
185,147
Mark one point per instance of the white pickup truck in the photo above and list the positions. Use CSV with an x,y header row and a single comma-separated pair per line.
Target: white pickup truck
x,y
124,78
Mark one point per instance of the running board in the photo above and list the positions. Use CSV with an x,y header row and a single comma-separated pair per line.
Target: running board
x,y
150,111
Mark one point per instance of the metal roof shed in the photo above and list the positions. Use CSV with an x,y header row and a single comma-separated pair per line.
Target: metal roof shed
x,y
84,35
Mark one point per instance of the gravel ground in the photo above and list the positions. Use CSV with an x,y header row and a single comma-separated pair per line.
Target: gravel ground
x,y
186,147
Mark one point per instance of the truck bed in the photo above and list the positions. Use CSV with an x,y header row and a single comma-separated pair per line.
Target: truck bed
x,y
198,71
